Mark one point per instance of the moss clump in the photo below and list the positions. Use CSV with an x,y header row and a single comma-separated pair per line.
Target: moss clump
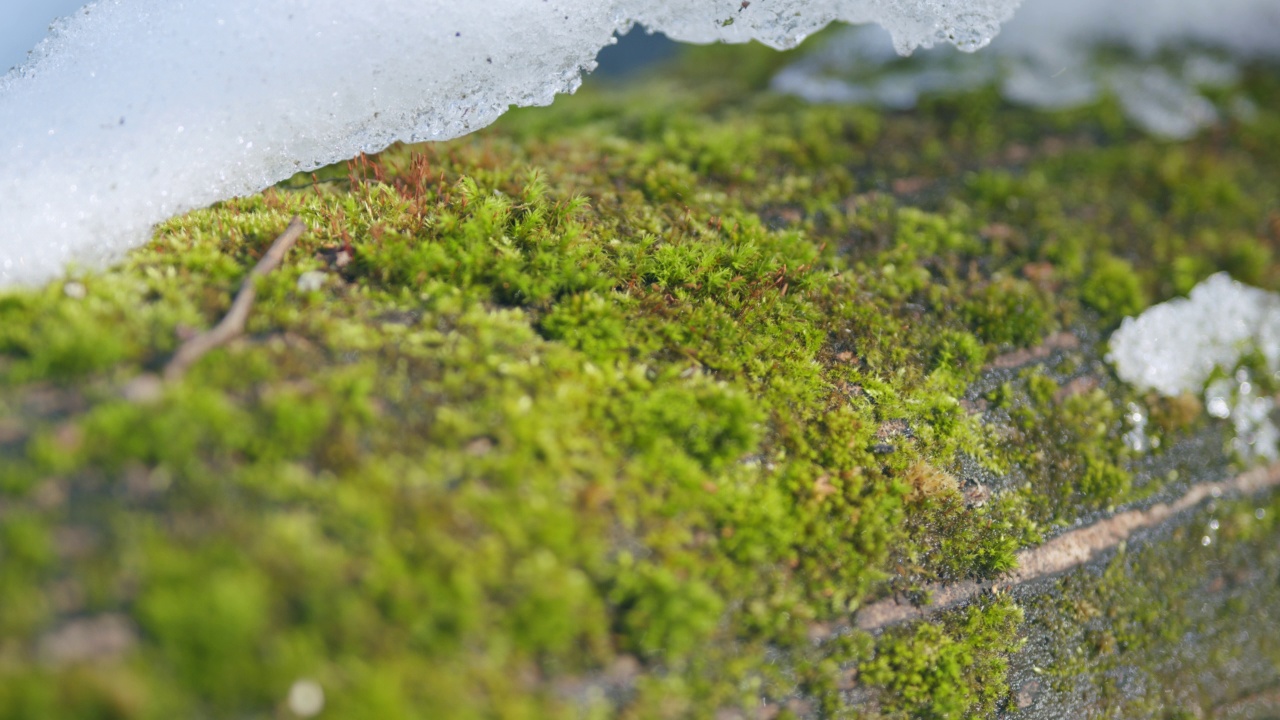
x,y
1112,289
1008,312
605,411
950,669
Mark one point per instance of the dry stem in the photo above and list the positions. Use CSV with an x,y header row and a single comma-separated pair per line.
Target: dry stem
x,y
232,325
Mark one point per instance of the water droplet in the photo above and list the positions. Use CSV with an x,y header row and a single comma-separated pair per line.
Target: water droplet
x,y
1259,513
1218,407
1213,524
1206,540
306,698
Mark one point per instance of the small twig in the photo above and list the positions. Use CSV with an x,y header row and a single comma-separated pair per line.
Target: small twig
x,y
232,325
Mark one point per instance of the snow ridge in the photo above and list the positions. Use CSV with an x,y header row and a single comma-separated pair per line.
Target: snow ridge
x,y
135,110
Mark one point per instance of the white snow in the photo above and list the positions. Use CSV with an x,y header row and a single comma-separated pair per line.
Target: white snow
x,y
1174,348
1044,58
135,110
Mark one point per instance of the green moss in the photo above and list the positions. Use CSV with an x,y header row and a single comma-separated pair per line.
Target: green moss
x,y
605,411
1113,289
954,668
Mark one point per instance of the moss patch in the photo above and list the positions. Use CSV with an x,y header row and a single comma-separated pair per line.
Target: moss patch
x,y
602,411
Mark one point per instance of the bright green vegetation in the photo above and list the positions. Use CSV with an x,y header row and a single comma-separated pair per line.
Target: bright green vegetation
x,y
604,411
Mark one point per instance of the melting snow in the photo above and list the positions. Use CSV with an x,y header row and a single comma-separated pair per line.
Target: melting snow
x,y
134,110
1044,57
1175,347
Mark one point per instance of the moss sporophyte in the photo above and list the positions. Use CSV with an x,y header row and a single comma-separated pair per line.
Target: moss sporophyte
x,y
641,406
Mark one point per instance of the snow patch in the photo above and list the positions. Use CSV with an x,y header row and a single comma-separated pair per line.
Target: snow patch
x,y
1046,57
1175,347
135,110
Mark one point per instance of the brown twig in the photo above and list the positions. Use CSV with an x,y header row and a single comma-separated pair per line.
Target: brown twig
x,y
232,325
